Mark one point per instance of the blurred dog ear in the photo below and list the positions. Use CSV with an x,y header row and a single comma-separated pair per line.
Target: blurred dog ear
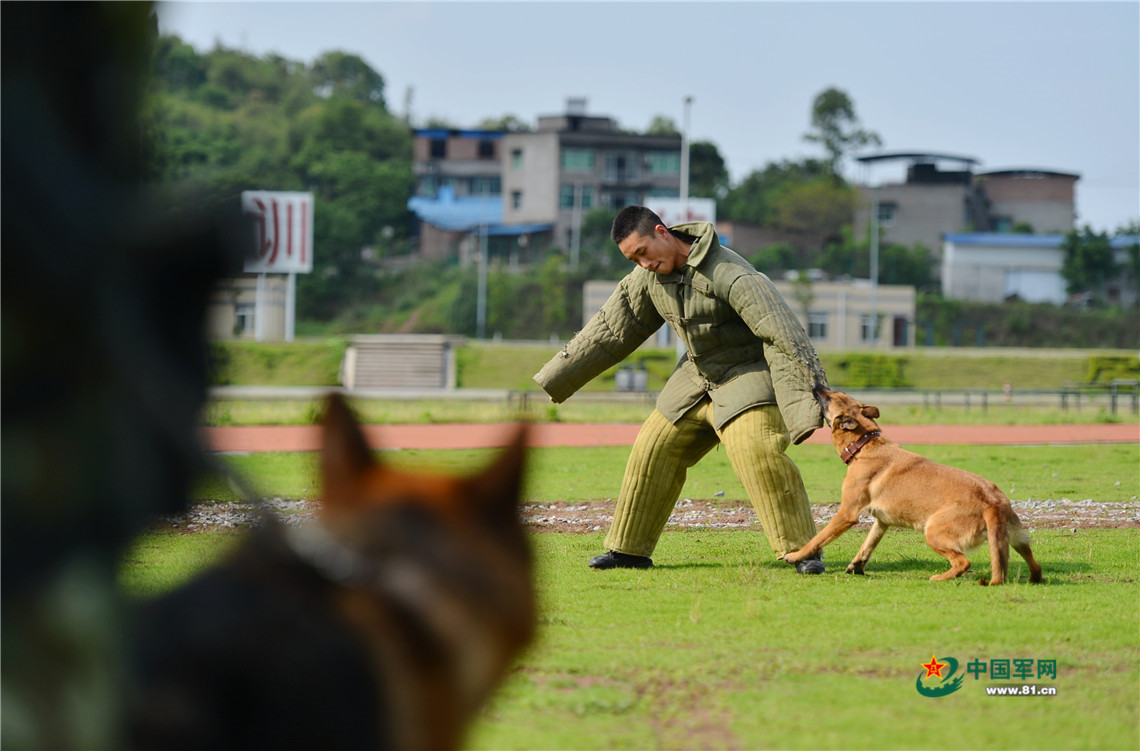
x,y
870,411
499,487
345,455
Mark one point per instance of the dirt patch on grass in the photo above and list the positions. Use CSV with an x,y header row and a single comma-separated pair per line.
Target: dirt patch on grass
x,y
595,516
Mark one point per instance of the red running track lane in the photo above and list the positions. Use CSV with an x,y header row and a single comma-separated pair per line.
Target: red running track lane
x,y
463,436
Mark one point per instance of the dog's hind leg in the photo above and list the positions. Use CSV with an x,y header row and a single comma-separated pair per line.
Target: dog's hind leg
x,y
1019,540
1034,567
959,563
999,544
878,529
944,537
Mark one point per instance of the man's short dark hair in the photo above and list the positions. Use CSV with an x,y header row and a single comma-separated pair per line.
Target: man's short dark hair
x,y
633,219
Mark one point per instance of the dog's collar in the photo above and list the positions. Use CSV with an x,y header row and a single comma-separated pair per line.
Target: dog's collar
x,y
854,448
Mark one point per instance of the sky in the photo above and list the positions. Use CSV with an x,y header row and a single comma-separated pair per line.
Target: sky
x,y
1033,85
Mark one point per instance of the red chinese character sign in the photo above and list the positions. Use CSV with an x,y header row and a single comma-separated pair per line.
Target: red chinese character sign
x,y
283,231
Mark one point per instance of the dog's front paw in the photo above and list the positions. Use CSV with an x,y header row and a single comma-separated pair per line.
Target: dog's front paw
x,y
796,556
855,567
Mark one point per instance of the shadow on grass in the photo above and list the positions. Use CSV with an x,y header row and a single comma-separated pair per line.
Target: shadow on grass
x,y
687,565
1054,574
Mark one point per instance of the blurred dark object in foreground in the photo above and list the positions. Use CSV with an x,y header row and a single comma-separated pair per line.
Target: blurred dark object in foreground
x,y
104,293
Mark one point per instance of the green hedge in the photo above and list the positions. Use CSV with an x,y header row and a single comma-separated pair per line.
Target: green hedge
x,y
299,363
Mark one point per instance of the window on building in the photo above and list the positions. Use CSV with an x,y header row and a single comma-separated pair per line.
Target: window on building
x,y
619,168
664,162
867,328
817,325
566,196
428,186
439,148
485,186
663,193
244,318
516,158
516,199
577,160
486,149
887,212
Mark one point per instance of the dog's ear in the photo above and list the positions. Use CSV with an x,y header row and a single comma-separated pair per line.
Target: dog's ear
x,y
498,488
344,452
870,411
845,422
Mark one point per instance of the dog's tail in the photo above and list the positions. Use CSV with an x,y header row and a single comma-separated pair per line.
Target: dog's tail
x,y
998,535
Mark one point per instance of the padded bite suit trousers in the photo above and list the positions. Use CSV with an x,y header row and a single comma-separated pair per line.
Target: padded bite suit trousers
x,y
756,441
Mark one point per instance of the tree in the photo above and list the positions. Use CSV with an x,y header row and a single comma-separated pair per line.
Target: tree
x,y
753,200
1088,262
347,75
818,206
708,176
552,281
774,260
506,123
177,65
898,264
836,127
599,257
662,126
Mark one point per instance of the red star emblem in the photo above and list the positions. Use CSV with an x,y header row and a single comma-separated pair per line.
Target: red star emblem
x,y
934,667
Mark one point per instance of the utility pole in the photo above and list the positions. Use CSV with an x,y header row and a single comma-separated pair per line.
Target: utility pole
x,y
576,240
685,161
684,189
875,265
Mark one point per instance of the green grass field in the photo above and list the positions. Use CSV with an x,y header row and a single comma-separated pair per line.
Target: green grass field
x,y
1100,472
722,647
719,646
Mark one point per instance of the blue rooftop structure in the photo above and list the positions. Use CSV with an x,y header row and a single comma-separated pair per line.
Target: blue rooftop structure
x,y
1010,240
467,213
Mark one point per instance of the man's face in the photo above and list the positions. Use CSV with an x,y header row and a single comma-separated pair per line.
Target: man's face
x,y
657,252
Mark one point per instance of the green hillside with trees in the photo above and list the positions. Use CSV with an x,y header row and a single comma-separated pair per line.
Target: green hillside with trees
x,y
222,121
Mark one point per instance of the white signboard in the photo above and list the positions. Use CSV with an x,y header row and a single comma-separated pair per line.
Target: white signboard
x,y
283,231
671,212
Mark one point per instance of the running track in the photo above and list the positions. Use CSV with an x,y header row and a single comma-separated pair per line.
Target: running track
x,y
462,436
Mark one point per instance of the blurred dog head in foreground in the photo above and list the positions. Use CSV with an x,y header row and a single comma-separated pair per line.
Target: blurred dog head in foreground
x,y
385,624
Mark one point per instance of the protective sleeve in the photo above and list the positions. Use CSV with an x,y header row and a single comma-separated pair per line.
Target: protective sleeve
x,y
626,320
793,361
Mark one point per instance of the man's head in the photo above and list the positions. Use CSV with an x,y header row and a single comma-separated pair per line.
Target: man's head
x,y
645,240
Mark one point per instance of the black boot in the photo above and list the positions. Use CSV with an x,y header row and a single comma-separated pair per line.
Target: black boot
x,y
812,565
614,559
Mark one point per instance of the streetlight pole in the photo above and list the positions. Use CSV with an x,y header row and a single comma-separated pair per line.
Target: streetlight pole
x,y
576,220
681,349
875,265
685,161
481,283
